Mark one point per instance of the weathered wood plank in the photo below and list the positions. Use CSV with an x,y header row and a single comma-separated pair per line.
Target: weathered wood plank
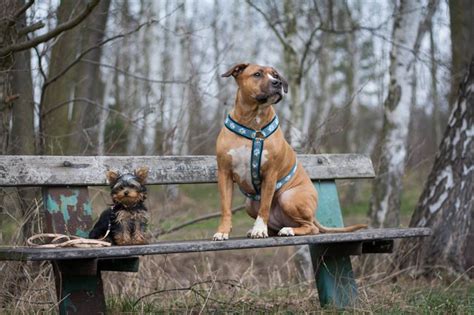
x,y
26,253
90,170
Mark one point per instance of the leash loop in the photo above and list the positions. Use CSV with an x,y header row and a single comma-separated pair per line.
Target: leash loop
x,y
55,240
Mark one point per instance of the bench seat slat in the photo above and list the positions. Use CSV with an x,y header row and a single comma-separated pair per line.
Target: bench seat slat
x,y
31,170
26,253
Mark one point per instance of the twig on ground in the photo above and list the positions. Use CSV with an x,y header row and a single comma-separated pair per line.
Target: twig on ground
x,y
230,282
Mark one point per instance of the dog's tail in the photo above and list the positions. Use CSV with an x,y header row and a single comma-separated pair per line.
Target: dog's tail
x,y
350,228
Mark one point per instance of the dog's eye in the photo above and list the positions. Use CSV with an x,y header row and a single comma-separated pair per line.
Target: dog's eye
x,y
257,74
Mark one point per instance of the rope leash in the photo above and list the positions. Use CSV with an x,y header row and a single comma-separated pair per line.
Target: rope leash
x,y
54,240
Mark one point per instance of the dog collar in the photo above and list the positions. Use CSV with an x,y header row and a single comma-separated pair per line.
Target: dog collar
x,y
249,133
257,137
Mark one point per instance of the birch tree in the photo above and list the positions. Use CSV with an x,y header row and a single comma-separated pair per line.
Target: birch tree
x,y
387,187
446,204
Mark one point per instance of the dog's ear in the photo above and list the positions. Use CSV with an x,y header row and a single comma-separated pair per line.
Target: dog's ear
x,y
235,70
283,81
112,177
141,173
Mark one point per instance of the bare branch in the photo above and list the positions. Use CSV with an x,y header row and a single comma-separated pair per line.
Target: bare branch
x,y
51,34
230,282
199,219
272,26
88,101
134,76
425,24
23,9
30,28
306,50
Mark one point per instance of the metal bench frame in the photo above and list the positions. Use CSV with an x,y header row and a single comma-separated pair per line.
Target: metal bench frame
x,y
68,210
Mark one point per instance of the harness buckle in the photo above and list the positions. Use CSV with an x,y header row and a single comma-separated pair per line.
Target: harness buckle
x,y
259,135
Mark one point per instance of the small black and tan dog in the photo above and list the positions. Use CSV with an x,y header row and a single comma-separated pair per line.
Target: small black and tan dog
x,y
125,221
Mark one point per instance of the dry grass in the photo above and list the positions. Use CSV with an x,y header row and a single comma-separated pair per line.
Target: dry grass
x,y
256,281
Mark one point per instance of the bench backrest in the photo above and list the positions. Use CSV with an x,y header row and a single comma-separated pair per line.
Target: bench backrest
x,y
64,180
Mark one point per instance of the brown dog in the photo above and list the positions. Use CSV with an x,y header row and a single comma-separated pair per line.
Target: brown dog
x,y
252,152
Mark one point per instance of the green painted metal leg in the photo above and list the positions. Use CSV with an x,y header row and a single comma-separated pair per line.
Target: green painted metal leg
x,y
79,287
334,277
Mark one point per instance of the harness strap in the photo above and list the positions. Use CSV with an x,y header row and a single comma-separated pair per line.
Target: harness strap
x,y
278,185
258,137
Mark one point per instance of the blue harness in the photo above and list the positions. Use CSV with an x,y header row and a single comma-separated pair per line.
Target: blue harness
x,y
258,137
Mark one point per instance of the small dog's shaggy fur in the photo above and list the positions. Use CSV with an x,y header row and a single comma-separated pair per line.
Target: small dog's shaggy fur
x,y
125,221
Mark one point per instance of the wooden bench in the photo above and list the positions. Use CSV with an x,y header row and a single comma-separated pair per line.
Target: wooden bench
x,y
64,181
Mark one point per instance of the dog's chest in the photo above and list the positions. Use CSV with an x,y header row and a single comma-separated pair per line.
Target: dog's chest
x,y
124,217
241,158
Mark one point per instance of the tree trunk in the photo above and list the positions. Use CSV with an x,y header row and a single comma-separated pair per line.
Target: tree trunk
x,y
151,65
16,132
181,117
352,113
324,100
120,115
434,90
162,136
89,88
194,109
137,108
446,204
221,96
55,100
387,187
8,36
22,135
461,13
291,61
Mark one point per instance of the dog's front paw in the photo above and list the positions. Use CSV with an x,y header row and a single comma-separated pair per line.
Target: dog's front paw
x,y
259,230
286,231
220,236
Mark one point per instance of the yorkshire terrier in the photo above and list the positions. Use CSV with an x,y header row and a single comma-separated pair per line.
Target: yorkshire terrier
x,y
125,221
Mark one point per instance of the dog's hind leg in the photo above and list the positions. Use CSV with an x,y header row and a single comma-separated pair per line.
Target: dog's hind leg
x,y
299,204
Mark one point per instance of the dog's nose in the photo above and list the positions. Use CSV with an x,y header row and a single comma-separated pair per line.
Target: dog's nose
x,y
125,192
276,83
